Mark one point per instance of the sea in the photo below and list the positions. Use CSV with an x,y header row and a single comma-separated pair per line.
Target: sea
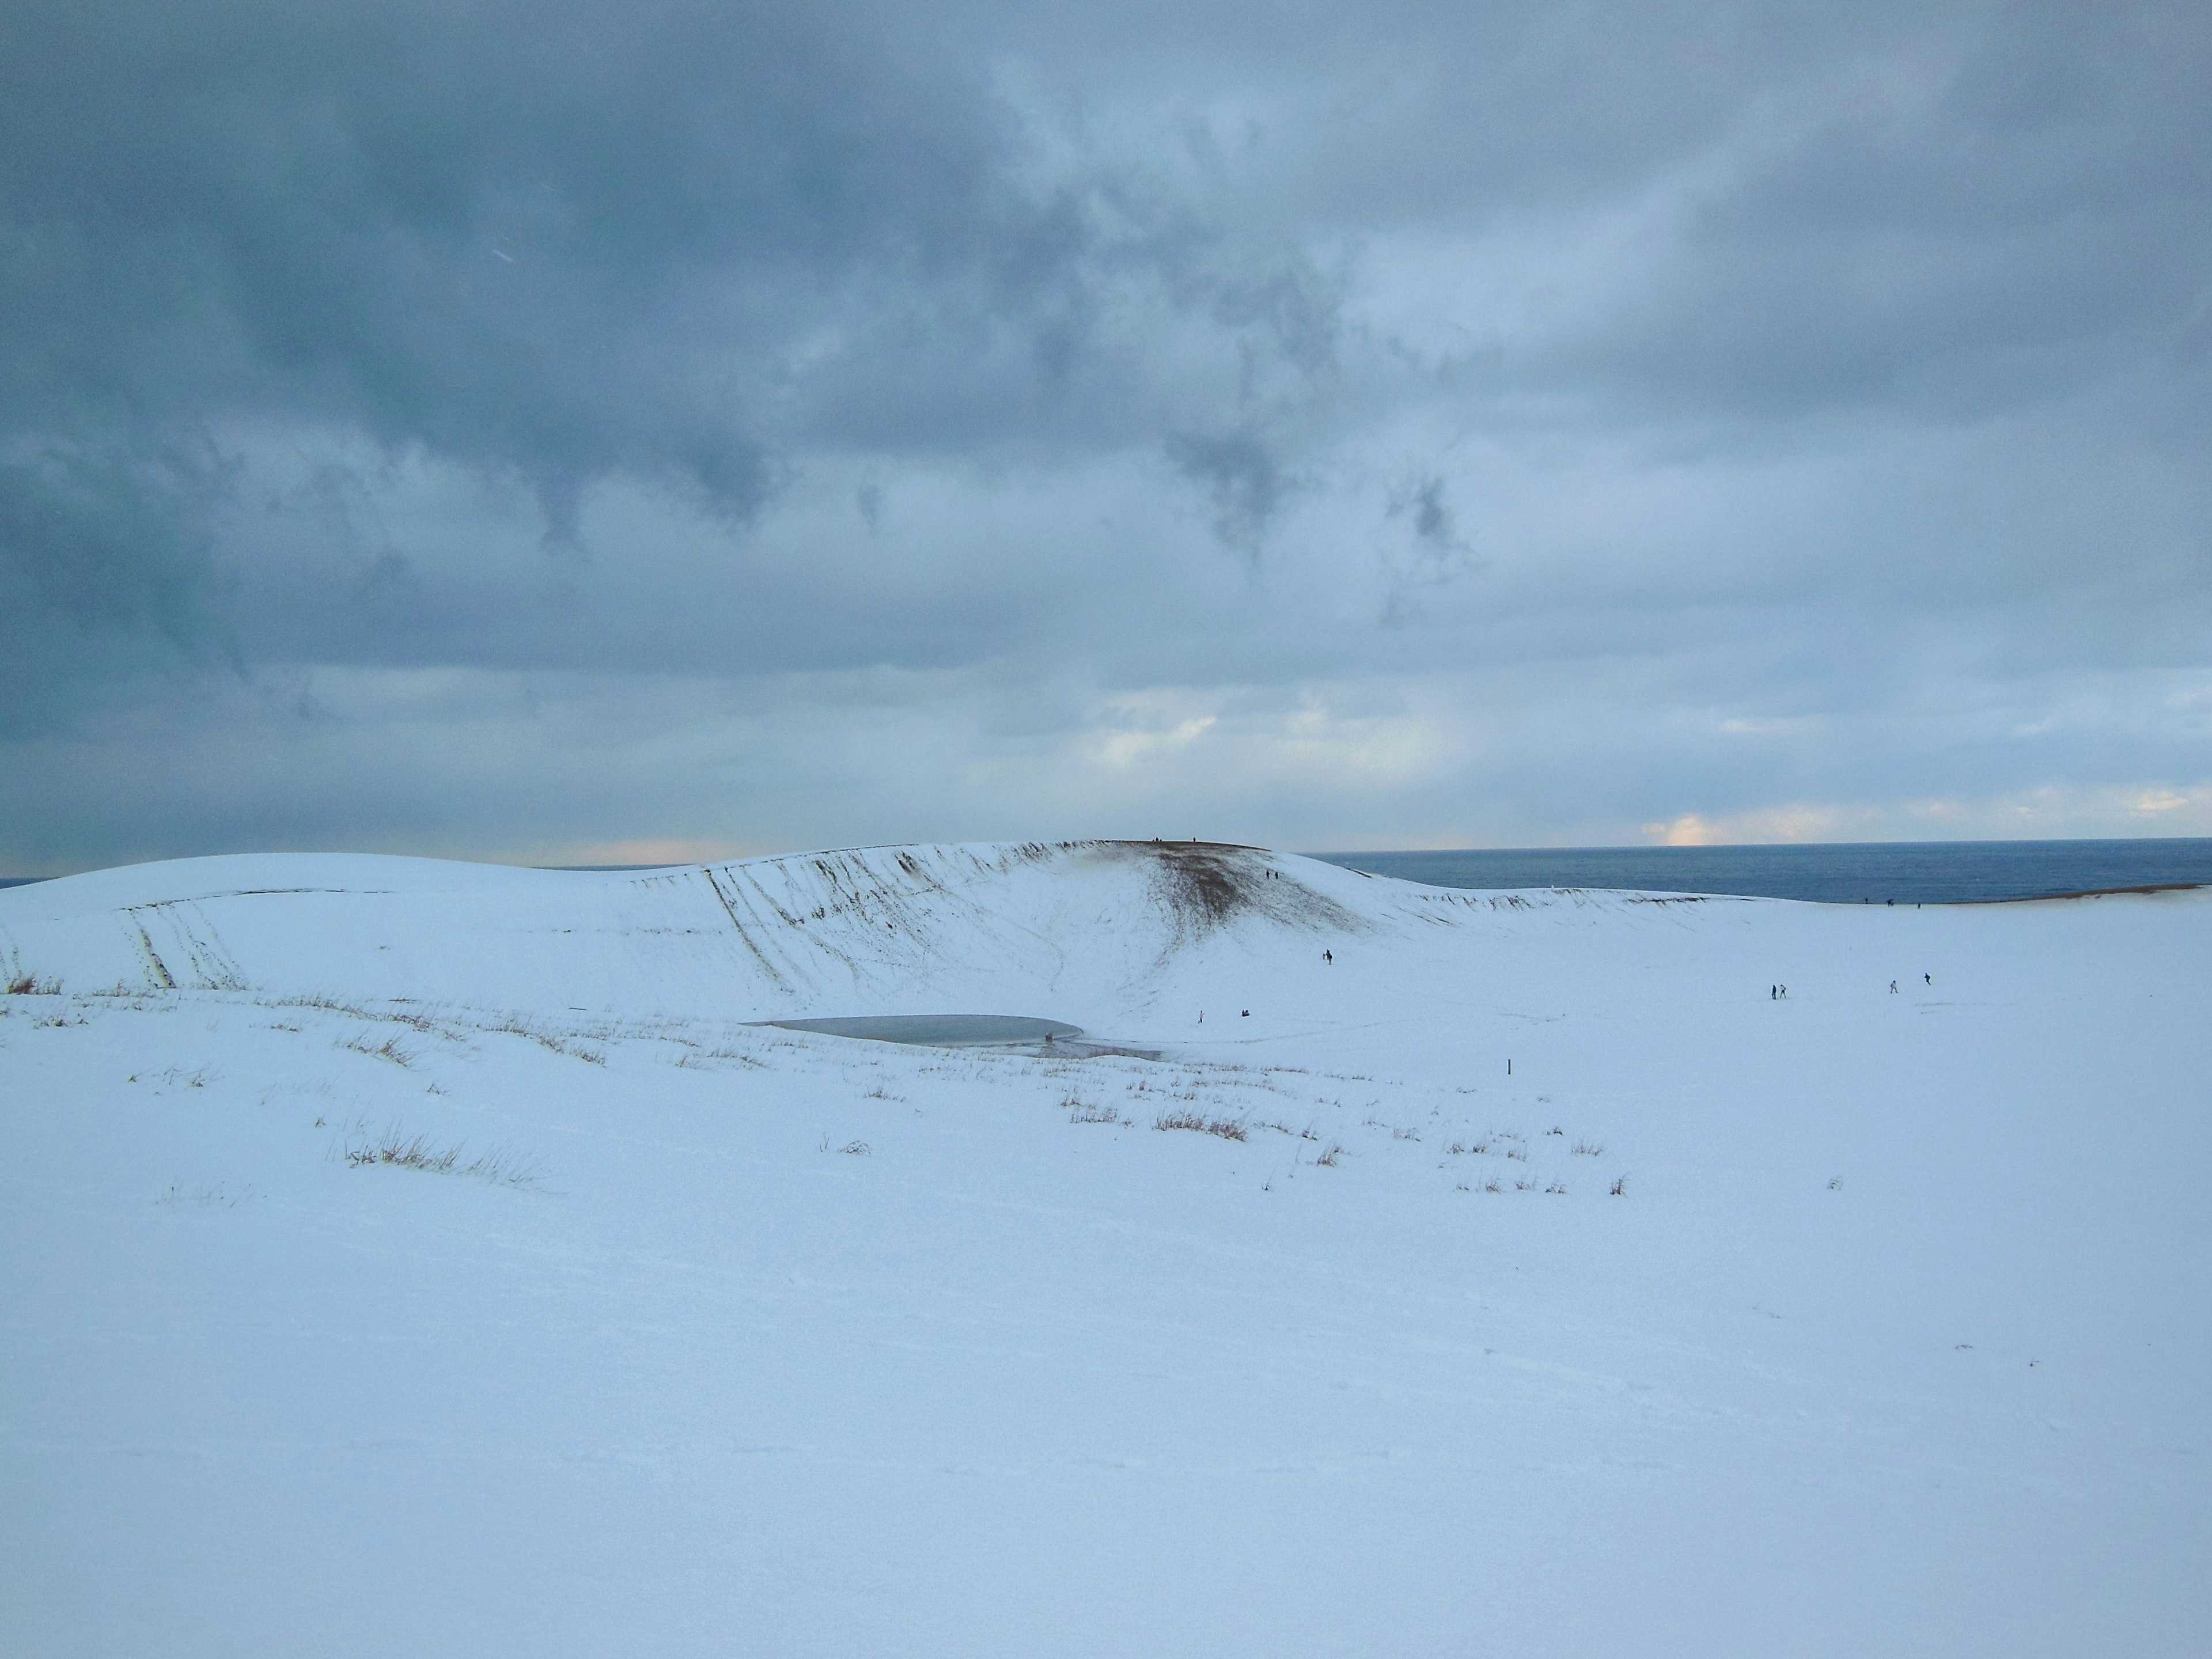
x,y
1869,872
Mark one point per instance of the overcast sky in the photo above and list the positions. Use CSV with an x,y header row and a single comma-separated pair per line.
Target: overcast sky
x,y
595,433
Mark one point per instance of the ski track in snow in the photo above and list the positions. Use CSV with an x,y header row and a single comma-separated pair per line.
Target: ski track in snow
x,y
414,1256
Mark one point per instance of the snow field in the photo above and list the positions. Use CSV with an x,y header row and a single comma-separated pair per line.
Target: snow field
x,y
443,1262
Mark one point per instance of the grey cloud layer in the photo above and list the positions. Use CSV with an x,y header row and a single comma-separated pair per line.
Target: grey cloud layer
x,y
1151,350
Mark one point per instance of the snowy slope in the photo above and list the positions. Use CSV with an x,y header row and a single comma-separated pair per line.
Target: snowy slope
x,y
414,1256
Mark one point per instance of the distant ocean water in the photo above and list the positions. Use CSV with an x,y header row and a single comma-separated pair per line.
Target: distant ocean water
x,y
1923,872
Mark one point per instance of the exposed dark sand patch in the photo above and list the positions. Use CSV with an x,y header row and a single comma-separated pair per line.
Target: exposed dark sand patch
x,y
2091,892
1204,886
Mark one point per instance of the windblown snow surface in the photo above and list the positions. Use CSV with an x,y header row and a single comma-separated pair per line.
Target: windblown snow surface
x,y
402,1257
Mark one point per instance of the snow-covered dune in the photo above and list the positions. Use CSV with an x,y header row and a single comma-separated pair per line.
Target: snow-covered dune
x,y
412,1255
1100,926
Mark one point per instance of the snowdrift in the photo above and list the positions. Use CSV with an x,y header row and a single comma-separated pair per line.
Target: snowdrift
x,y
397,1254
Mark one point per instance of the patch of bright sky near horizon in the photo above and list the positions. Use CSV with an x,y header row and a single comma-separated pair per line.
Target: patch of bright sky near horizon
x,y
537,434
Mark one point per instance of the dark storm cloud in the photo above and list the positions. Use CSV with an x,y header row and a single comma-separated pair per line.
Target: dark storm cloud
x,y
736,340
500,231
566,242
554,241
1247,484
1421,502
104,572
1998,221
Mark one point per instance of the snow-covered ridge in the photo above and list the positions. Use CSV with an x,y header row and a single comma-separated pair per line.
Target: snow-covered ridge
x,y
1121,933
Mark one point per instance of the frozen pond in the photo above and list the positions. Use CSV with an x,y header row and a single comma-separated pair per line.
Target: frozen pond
x,y
938,1030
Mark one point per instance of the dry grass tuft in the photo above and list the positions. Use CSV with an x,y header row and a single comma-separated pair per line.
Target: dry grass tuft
x,y
1080,1110
698,1062
388,1049
401,1151
1228,1128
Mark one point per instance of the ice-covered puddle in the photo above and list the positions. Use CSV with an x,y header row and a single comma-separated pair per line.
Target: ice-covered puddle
x,y
938,1030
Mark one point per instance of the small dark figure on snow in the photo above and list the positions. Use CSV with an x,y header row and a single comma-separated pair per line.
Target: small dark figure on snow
x,y
1930,978
1893,987
1328,957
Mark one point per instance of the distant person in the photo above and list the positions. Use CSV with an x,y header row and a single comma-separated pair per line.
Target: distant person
x,y
1893,987
1930,978
1328,957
